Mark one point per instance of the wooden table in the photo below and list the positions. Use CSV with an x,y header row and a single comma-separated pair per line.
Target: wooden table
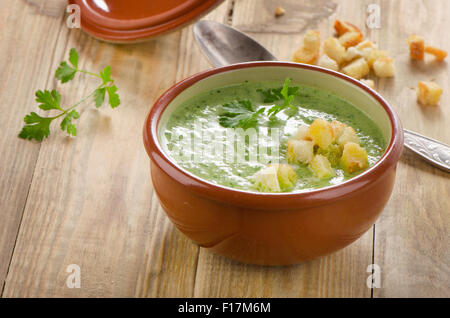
x,y
89,201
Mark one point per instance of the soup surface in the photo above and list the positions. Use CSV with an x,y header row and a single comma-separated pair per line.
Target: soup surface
x,y
195,138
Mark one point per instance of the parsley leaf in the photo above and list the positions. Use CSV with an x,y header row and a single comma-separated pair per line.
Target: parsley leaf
x,y
99,96
272,95
239,114
48,100
67,125
36,127
288,94
106,75
114,99
65,72
73,58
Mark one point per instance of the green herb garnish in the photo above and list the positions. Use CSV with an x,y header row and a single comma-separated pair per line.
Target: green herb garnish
x,y
37,127
272,95
288,95
239,114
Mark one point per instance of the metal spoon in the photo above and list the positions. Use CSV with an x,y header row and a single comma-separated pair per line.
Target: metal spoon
x,y
224,45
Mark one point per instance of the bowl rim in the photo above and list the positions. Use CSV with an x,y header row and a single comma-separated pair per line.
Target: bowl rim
x,y
264,200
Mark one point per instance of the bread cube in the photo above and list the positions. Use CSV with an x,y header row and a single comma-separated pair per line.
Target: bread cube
x,y
266,179
438,53
416,47
321,167
428,93
369,83
311,41
287,177
357,69
352,54
327,62
279,11
333,153
321,133
349,39
305,56
348,135
354,158
384,67
338,128
299,151
310,50
302,133
365,44
344,27
334,49
371,55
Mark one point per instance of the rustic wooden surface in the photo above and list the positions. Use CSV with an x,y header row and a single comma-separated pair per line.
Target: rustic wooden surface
x,y
89,201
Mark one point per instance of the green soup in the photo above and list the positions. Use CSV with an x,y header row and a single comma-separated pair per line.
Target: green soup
x,y
199,151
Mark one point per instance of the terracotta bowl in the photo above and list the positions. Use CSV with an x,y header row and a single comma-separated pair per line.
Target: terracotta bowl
x,y
125,21
270,228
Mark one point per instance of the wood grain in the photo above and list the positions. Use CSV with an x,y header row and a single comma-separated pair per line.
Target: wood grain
x,y
89,200
412,236
28,41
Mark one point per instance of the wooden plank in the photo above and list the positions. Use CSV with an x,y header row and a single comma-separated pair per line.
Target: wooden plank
x,y
28,40
91,201
411,238
342,274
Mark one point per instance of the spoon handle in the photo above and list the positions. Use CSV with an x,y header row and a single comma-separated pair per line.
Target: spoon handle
x,y
435,152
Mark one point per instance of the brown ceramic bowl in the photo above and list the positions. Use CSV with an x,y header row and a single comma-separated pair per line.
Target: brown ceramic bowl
x,y
124,21
273,228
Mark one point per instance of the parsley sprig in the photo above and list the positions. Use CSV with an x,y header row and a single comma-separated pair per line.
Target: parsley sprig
x,y
287,93
243,114
239,114
37,127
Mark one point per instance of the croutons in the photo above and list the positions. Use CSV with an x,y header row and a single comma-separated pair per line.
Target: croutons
x,y
371,55
428,93
311,41
366,44
327,62
344,27
266,180
300,151
333,153
352,54
287,177
310,50
275,178
279,11
384,67
321,167
321,133
338,128
302,133
354,158
304,56
350,39
348,135
438,53
357,69
416,47
368,82
334,49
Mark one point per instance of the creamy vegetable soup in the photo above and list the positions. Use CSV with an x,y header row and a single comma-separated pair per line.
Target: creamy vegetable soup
x,y
287,138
